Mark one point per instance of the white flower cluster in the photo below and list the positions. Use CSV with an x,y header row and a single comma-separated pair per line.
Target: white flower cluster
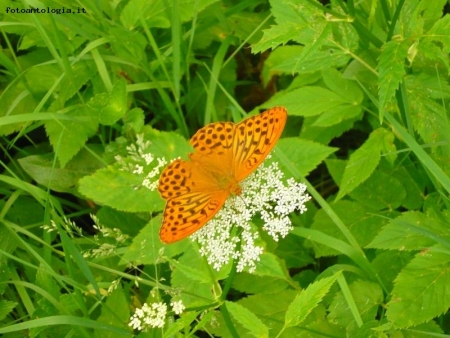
x,y
263,193
153,315
139,161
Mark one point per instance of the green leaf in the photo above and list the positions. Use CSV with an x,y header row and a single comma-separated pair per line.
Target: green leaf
x,y
363,161
414,191
15,100
44,171
441,32
275,36
6,307
324,135
134,120
304,155
388,264
68,136
289,23
111,316
248,320
357,218
202,289
252,284
121,190
146,247
42,77
412,230
270,307
391,68
110,107
307,101
307,300
380,191
82,71
128,44
368,297
269,265
421,290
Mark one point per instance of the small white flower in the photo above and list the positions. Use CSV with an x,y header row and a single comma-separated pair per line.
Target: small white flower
x,y
263,193
141,162
152,316
177,306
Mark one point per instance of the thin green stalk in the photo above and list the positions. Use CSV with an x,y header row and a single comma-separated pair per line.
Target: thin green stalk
x,y
425,159
385,9
176,53
228,321
216,68
403,105
394,20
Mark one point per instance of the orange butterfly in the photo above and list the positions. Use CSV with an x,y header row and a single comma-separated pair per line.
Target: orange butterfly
x,y
224,154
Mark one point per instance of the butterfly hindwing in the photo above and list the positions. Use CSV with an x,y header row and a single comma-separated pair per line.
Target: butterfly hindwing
x,y
187,213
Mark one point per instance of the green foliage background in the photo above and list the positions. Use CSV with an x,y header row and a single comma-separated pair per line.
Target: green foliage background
x,y
366,85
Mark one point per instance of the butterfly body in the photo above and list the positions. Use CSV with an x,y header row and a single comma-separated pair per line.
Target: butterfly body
x,y
224,154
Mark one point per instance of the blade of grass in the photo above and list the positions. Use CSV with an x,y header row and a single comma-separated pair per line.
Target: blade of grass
x,y
210,110
424,158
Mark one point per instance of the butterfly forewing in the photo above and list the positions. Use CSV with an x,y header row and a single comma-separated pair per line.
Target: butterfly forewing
x,y
213,145
255,137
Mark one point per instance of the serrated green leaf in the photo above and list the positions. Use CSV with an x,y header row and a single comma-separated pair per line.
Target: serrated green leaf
x,y
15,100
268,265
389,263
441,32
6,307
42,169
337,115
199,288
412,230
368,297
414,191
42,77
307,101
252,284
275,36
421,290
147,248
81,73
304,155
186,320
391,68
315,61
110,107
324,135
121,190
134,120
248,320
357,218
68,136
111,316
380,191
307,300
363,161
348,90
270,312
